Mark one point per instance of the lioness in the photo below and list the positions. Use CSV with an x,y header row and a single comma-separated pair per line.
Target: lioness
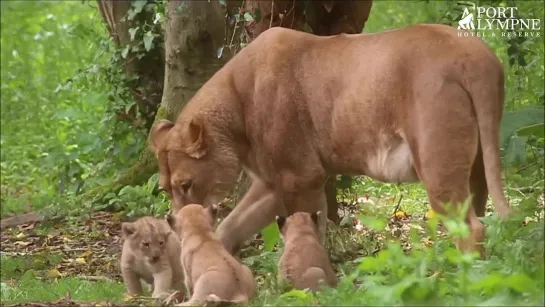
x,y
151,251
304,261
211,272
419,103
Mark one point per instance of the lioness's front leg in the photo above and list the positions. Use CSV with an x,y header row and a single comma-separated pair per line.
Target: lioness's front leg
x,y
308,200
161,282
256,209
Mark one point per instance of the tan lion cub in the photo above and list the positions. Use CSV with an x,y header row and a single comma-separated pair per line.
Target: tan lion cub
x,y
211,272
304,261
151,252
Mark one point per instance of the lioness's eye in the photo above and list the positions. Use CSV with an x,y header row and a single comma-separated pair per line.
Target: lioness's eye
x,y
186,185
161,243
145,244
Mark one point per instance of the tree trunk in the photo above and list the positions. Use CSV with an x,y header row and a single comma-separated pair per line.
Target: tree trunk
x,y
195,32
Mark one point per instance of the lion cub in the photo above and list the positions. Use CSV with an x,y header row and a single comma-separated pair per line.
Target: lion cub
x,y
304,261
151,252
211,272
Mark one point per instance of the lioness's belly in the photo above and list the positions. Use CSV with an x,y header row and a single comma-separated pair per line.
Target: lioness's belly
x,y
391,163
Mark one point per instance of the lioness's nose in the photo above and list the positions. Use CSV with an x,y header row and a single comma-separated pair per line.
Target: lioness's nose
x,y
154,258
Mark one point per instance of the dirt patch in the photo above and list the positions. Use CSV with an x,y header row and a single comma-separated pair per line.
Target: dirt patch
x,y
87,248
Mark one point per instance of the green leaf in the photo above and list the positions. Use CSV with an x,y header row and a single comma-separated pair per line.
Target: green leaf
x,y
248,17
138,5
148,40
489,283
518,282
537,130
132,32
270,236
298,294
516,150
515,120
125,52
372,222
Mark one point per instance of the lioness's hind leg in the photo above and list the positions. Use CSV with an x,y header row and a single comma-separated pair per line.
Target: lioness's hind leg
x,y
478,187
447,144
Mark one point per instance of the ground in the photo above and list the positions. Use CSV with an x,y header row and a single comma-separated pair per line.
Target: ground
x,y
74,260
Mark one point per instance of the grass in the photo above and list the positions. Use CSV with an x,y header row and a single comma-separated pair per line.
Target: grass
x,y
375,266
29,289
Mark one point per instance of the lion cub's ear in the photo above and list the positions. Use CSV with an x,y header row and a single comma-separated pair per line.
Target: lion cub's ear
x,y
196,147
128,229
280,221
314,216
212,211
171,220
159,133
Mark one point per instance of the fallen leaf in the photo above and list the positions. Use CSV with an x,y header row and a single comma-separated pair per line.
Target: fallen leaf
x,y
400,214
86,254
430,214
20,235
54,273
127,297
81,260
22,243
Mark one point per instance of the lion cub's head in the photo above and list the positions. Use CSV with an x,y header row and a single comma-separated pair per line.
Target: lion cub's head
x,y
196,166
147,237
298,223
193,218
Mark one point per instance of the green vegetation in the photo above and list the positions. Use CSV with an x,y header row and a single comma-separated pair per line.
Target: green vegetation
x,y
60,136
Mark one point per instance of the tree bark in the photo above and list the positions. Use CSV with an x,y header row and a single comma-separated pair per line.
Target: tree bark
x,y
195,32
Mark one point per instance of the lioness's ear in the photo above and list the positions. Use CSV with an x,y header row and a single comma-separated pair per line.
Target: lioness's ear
x,y
159,133
314,216
196,147
171,220
280,221
128,229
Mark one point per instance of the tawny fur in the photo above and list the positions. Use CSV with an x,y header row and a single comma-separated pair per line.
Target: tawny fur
x,y
420,103
305,262
211,272
157,263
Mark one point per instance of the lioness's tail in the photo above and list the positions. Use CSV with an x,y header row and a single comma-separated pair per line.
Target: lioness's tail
x,y
488,100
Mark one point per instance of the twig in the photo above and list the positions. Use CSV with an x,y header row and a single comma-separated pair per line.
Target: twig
x,y
96,278
398,203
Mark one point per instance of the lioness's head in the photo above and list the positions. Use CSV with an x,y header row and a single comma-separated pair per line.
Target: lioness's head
x,y
194,218
147,237
298,223
196,165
